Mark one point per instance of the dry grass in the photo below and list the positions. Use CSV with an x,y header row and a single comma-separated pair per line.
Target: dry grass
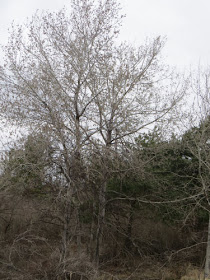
x,y
187,272
193,274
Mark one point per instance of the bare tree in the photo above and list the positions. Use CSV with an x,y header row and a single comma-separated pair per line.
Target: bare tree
x,y
136,93
66,75
199,143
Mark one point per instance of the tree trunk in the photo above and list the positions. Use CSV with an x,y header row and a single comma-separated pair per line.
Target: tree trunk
x,y
91,243
66,231
207,263
101,218
128,239
102,200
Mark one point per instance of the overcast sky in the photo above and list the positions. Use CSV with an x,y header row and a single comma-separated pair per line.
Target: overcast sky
x,y
185,23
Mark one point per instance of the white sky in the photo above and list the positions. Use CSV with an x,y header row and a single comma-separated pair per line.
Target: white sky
x,y
185,23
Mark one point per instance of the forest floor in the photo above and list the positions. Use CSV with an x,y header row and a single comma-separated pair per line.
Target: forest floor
x,y
155,272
